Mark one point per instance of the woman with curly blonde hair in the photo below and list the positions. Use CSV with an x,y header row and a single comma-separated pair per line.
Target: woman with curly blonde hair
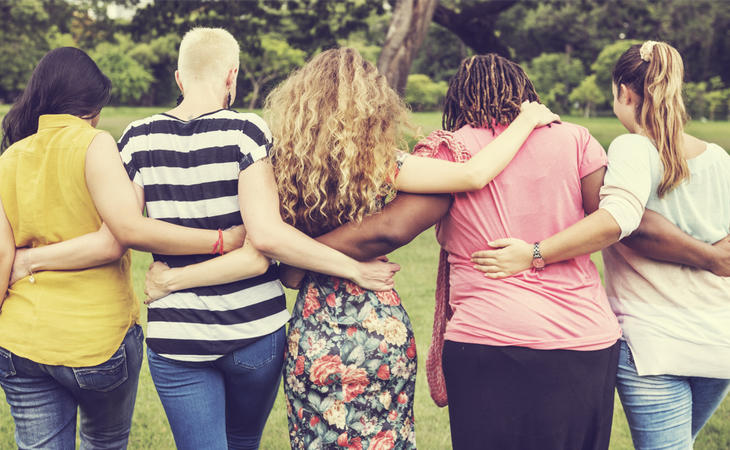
x,y
351,361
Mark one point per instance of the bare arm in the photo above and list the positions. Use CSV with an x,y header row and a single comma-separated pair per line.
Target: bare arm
x,y
396,225
278,240
7,252
242,263
428,175
115,198
88,250
660,239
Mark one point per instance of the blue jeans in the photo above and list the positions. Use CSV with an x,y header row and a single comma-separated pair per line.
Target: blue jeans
x,y
666,411
224,403
43,399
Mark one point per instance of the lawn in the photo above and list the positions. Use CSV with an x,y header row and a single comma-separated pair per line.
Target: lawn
x,y
416,286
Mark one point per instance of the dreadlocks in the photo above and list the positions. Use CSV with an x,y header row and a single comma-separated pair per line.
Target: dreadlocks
x,y
486,90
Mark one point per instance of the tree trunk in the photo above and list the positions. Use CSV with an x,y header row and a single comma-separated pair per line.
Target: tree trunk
x,y
474,24
254,93
405,35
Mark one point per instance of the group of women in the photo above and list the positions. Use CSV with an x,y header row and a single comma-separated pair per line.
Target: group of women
x,y
526,356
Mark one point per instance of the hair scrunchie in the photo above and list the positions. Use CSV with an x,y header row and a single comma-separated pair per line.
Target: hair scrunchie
x,y
646,49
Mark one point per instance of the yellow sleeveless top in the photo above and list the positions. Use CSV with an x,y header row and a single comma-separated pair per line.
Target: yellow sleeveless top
x,y
74,318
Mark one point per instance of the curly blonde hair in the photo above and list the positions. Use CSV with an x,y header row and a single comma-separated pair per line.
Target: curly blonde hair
x,y
336,126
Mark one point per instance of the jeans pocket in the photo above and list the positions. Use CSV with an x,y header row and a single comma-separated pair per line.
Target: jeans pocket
x,y
259,353
106,376
7,369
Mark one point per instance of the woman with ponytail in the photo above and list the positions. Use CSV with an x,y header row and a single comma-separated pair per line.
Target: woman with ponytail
x,y
674,364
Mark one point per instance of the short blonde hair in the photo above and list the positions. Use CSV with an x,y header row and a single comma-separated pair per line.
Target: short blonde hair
x,y
207,54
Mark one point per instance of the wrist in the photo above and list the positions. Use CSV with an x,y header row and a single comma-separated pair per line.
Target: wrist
x,y
172,280
711,259
527,120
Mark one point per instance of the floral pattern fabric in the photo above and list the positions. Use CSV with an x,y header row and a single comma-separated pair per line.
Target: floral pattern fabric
x,y
350,370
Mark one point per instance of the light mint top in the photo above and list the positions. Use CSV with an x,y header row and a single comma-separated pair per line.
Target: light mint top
x,y
676,319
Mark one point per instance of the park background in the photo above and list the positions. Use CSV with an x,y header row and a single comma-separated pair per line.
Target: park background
x,y
567,47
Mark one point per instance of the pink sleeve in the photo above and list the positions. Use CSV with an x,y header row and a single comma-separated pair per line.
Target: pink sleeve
x,y
441,144
592,156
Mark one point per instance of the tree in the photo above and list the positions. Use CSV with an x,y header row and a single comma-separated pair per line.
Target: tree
x,y
602,67
276,59
22,44
130,80
423,94
587,94
407,30
474,22
555,75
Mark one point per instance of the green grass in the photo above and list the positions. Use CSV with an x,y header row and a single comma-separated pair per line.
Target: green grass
x,y
415,283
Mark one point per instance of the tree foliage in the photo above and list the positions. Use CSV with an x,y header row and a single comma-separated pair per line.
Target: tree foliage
x,y
588,95
276,59
424,94
555,75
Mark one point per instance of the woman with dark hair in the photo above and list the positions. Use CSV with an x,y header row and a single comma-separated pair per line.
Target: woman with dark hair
x,y
69,335
674,367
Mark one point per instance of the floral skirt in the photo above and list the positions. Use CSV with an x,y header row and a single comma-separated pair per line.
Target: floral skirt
x,y
350,371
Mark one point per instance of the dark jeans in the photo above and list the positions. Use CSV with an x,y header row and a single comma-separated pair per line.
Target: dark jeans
x,y
44,399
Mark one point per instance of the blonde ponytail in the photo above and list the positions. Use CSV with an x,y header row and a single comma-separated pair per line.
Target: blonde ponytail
x,y
655,71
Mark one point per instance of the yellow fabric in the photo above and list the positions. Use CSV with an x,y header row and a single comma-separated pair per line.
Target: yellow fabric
x,y
71,318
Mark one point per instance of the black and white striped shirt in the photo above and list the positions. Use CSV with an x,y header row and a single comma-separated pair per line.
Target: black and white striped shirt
x,y
189,172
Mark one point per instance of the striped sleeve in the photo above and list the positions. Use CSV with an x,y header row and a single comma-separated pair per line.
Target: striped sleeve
x,y
126,151
255,141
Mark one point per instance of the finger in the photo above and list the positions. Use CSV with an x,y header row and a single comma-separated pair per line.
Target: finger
x,y
485,261
485,254
499,243
489,269
496,275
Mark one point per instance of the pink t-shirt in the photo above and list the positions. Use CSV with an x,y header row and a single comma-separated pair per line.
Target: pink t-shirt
x,y
537,195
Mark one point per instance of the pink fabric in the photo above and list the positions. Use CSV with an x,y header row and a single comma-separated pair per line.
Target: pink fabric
x,y
430,146
537,195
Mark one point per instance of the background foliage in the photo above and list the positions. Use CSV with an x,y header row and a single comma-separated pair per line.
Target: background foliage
x,y
568,47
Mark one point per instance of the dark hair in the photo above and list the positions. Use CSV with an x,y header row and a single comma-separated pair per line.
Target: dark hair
x,y
654,72
486,90
65,81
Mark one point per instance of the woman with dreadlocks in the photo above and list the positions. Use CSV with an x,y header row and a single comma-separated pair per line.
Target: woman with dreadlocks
x,y
674,366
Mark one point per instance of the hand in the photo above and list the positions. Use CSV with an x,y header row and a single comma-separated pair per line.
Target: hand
x,y
233,238
538,113
155,285
21,265
376,275
291,277
509,257
721,264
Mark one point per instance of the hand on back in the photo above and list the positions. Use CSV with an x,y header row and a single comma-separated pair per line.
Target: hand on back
x,y
538,113
508,257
